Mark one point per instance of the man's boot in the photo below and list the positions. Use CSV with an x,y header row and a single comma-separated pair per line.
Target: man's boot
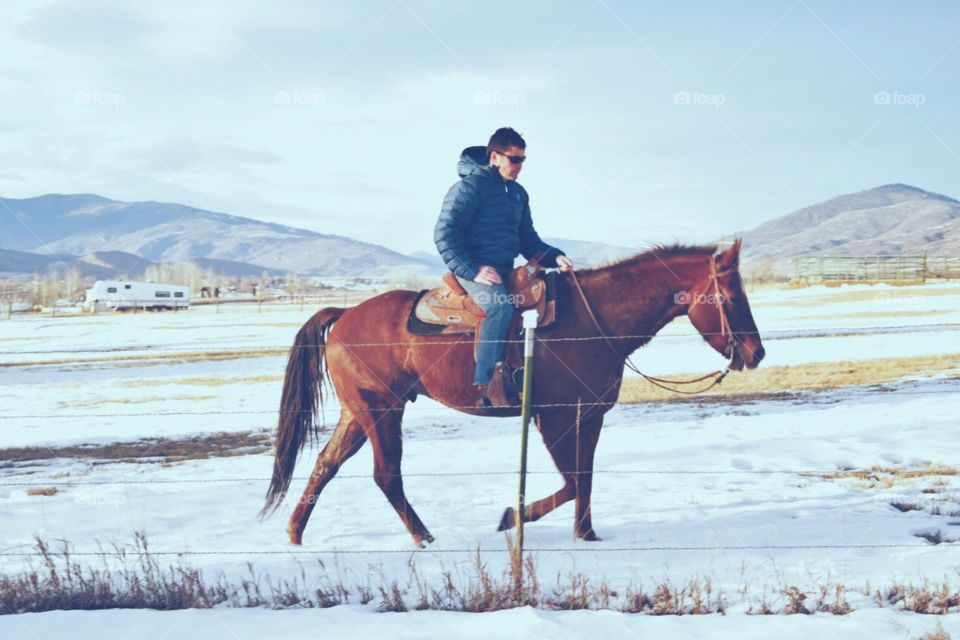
x,y
503,391
482,401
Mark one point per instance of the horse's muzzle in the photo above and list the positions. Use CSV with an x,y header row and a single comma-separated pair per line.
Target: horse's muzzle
x,y
758,355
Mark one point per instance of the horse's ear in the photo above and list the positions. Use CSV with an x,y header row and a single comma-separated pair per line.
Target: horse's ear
x,y
730,258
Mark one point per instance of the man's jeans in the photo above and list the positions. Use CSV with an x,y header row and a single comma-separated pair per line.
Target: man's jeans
x,y
497,304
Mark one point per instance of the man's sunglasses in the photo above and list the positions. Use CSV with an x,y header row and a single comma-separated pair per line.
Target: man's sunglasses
x,y
514,159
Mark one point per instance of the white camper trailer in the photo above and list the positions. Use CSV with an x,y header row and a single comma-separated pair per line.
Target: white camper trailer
x,y
106,295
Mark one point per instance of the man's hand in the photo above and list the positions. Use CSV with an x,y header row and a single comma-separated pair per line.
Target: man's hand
x,y
487,275
564,263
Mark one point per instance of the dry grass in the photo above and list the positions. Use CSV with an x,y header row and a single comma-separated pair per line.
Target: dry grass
x,y
827,597
242,325
80,404
936,634
927,597
936,536
205,381
889,477
814,376
932,500
131,576
217,445
898,292
876,314
42,491
150,359
903,507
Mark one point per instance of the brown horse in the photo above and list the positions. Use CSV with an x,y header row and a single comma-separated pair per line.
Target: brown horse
x,y
377,366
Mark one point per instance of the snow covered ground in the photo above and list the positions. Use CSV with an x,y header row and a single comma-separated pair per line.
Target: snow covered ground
x,y
683,490
357,622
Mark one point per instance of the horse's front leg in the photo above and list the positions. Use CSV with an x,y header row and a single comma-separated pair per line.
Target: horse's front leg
x,y
572,450
589,434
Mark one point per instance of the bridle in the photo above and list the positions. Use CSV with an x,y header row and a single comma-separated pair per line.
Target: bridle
x,y
725,330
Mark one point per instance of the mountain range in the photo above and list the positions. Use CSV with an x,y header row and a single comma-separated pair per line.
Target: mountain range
x,y
105,238
74,226
889,220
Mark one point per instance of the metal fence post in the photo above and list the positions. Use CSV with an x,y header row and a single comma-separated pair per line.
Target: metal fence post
x,y
529,326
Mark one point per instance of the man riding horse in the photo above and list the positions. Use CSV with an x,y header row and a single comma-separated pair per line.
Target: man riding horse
x,y
484,224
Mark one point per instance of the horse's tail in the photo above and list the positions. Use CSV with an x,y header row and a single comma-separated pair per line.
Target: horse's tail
x,y
301,397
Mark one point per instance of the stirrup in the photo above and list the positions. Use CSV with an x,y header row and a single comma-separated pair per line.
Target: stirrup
x,y
503,390
483,400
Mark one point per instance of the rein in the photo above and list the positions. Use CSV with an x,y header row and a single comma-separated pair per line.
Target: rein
x,y
725,330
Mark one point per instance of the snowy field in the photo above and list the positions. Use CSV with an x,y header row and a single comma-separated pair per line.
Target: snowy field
x,y
749,495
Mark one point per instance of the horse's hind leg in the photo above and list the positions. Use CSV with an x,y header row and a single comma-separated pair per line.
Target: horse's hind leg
x,y
383,427
347,439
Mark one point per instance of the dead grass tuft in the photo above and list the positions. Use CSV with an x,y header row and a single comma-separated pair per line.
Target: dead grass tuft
x,y
928,598
42,491
889,477
936,634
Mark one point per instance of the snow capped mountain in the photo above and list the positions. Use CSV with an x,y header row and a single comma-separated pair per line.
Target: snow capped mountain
x,y
887,220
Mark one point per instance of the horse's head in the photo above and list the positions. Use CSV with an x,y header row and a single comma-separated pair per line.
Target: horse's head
x,y
719,310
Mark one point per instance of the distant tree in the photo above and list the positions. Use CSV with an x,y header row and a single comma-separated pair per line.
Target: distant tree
x,y
72,283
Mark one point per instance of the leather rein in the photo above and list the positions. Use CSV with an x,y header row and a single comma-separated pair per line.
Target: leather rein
x,y
725,331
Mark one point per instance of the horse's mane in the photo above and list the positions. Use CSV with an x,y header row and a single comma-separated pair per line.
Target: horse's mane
x,y
657,253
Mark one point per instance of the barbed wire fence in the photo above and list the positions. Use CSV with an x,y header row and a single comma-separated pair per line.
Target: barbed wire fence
x,y
144,351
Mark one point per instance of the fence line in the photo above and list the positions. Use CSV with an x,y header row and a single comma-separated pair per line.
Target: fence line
x,y
278,552
262,552
890,268
853,473
789,333
535,405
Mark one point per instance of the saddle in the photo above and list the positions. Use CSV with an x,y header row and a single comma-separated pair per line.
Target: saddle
x,y
449,309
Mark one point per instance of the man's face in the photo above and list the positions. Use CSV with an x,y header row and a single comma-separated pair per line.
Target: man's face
x,y
501,160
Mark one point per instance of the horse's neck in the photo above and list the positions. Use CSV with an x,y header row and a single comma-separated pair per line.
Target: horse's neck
x,y
645,300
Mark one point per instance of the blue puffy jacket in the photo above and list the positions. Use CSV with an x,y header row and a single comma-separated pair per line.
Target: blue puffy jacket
x,y
486,220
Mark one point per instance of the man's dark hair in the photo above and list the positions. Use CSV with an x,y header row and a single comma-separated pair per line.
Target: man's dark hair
x,y
505,137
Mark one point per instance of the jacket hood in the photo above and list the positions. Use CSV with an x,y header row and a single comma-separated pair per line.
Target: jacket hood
x,y
472,160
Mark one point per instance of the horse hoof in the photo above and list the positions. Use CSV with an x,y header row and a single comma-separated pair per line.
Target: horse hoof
x,y
296,537
508,520
422,540
590,536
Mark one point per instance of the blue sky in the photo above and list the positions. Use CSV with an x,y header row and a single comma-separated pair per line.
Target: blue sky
x,y
644,122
